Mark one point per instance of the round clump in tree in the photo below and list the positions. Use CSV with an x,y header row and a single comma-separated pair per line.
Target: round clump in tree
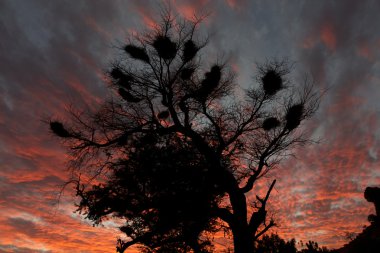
x,y
190,49
165,48
294,116
271,123
136,52
272,76
272,82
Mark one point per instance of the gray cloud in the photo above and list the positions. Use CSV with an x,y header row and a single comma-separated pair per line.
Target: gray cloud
x,y
54,53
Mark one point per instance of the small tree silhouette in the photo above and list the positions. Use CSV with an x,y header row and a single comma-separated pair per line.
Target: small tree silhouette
x,y
372,194
313,247
275,244
175,153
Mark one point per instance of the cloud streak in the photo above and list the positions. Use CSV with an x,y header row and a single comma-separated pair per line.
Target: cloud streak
x,y
54,54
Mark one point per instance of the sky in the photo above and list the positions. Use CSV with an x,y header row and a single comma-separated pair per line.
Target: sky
x,y
53,54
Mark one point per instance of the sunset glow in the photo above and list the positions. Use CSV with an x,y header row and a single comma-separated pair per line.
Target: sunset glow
x,y
53,54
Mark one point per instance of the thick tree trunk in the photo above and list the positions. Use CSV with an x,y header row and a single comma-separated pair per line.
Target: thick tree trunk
x,y
243,240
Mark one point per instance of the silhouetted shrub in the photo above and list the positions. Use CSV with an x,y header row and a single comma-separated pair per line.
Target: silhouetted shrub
x,y
275,244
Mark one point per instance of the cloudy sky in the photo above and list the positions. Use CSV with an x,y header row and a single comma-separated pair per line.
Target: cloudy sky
x,y
54,53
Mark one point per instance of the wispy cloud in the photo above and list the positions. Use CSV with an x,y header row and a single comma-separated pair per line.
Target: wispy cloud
x,y
54,54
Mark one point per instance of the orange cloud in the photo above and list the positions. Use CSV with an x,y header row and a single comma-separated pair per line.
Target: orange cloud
x,y
317,197
321,194
91,22
328,36
146,14
364,50
231,3
236,4
191,9
187,11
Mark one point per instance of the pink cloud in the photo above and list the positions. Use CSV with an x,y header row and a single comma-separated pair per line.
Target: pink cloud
x,y
328,36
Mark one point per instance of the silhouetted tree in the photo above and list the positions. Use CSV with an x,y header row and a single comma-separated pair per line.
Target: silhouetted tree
x,y
275,244
313,247
368,241
372,194
175,153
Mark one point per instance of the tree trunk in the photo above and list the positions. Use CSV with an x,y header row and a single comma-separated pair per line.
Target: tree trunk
x,y
243,240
